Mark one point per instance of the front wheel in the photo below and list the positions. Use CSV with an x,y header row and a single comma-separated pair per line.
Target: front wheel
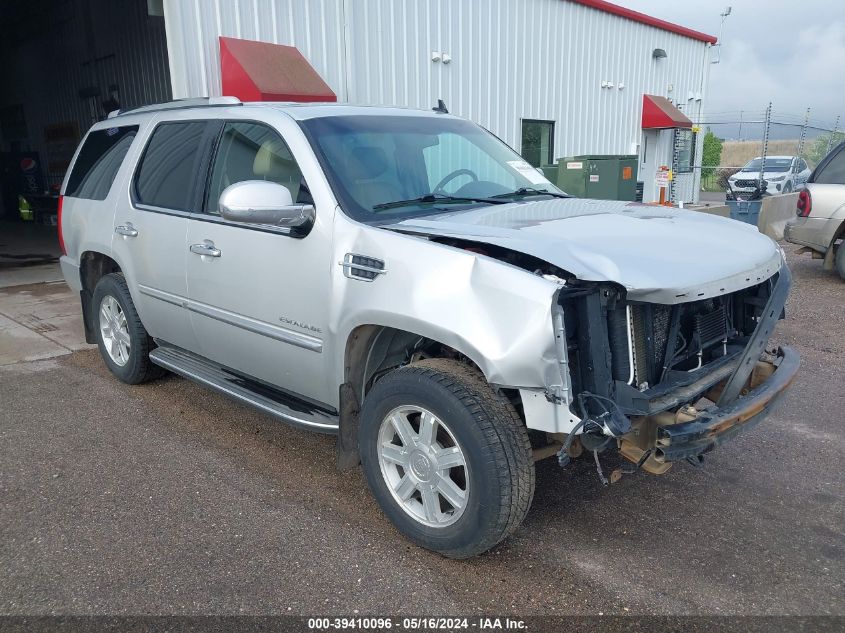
x,y
447,458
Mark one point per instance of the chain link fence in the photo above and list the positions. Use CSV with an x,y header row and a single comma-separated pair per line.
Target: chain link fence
x,y
740,147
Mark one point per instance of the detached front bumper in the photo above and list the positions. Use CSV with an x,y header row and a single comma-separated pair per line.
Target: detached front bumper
x,y
684,440
742,399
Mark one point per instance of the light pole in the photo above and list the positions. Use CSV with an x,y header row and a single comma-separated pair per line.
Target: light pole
x,y
724,15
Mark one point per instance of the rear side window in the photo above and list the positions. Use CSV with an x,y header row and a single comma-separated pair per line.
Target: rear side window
x,y
167,174
99,160
833,172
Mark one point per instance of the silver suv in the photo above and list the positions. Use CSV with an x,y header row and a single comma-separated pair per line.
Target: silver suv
x,y
404,280
819,222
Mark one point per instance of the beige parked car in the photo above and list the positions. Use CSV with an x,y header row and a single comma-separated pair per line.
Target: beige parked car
x,y
819,225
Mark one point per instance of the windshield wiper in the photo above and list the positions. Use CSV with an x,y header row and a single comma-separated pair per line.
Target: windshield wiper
x,y
433,197
531,191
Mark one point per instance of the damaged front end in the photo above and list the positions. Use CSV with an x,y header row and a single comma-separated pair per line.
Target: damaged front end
x,y
666,383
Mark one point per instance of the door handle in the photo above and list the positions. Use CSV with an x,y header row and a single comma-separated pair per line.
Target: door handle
x,y
126,230
206,248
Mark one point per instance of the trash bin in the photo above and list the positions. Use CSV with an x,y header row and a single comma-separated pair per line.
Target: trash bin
x,y
745,206
603,177
747,211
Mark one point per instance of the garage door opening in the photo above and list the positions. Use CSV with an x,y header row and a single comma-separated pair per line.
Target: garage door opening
x,y
64,64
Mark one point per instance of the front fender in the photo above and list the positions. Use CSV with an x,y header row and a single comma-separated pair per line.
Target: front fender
x,y
498,315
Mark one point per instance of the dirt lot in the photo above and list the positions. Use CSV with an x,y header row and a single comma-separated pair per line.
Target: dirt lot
x,y
165,498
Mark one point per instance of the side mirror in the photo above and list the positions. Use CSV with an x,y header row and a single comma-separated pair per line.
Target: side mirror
x,y
262,202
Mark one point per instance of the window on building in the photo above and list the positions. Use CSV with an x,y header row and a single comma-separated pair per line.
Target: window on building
x,y
251,151
99,160
168,171
685,142
538,142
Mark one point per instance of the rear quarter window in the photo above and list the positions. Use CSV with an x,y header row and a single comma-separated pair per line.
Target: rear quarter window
x,y
98,162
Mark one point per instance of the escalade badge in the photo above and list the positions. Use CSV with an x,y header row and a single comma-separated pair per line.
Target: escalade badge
x,y
300,324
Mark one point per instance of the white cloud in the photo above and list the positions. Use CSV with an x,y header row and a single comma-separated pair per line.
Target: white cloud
x,y
780,51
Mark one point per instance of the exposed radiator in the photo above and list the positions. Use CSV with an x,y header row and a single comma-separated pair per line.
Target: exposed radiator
x,y
702,324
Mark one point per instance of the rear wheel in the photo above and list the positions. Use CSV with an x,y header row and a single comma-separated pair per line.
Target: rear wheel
x,y
840,259
124,343
448,459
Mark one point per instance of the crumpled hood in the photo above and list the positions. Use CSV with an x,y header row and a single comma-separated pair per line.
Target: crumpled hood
x,y
659,254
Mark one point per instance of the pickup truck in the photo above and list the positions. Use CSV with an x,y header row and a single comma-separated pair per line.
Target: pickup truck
x,y
405,280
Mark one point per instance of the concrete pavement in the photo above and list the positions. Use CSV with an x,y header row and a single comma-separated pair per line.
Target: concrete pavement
x,y
166,498
38,321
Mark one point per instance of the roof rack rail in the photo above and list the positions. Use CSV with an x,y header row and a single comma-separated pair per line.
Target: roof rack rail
x,y
178,104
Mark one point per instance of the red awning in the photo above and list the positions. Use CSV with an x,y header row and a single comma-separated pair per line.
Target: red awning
x,y
259,71
660,114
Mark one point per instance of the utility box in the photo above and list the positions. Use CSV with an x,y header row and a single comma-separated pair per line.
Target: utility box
x,y
603,177
550,172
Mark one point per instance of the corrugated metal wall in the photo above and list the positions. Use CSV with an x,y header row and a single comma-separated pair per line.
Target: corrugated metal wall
x,y
315,27
84,43
511,59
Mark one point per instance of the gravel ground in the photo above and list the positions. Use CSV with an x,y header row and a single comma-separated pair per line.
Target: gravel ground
x,y
166,498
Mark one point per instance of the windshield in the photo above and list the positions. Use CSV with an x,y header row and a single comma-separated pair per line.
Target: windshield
x,y
385,167
772,164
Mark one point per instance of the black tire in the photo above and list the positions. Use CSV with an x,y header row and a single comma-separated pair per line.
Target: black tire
x,y
491,435
787,188
138,367
839,258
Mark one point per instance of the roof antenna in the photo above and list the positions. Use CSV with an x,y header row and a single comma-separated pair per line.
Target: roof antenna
x,y
441,107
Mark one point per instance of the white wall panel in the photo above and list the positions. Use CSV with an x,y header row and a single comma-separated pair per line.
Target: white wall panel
x,y
315,27
511,59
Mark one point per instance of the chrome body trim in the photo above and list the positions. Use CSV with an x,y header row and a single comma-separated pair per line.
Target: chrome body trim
x,y
278,333
348,266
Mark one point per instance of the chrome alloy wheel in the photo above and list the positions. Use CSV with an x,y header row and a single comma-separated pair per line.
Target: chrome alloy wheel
x,y
423,466
114,330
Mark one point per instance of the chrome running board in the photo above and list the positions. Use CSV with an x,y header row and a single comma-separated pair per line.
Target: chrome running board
x,y
262,396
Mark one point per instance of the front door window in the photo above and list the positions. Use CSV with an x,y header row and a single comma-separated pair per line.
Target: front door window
x,y
252,151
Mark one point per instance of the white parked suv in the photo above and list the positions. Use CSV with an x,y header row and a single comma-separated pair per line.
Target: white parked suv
x,y
404,280
783,174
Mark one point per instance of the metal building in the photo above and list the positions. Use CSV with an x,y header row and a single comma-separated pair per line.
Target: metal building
x,y
580,67
552,78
